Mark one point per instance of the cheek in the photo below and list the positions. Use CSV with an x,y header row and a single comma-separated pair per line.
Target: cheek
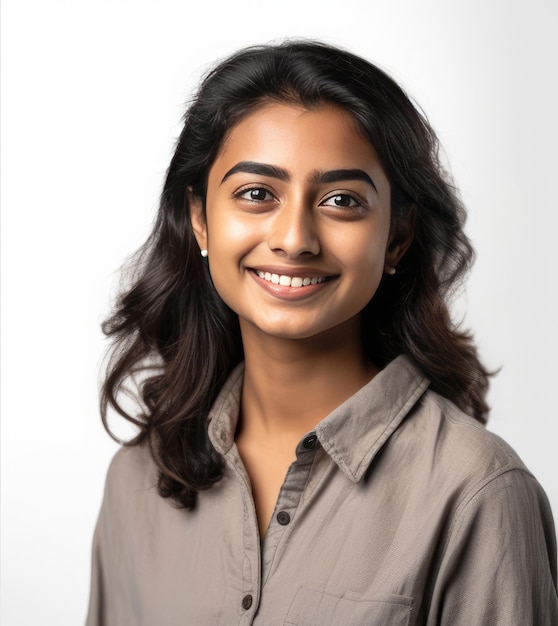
x,y
365,252
229,240
230,235
223,281
365,259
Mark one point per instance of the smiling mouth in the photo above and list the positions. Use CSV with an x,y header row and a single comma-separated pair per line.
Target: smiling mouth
x,y
291,281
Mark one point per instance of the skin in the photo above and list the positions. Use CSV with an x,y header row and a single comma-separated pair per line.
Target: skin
x,y
298,193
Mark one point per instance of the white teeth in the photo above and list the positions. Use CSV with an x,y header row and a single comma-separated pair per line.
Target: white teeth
x,y
290,281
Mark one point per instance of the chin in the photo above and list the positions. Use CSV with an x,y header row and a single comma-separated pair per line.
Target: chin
x,y
282,329
291,333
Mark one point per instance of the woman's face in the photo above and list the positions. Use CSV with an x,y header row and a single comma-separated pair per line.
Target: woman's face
x,y
297,221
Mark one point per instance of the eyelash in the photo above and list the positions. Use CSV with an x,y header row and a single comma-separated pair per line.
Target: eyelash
x,y
354,198
358,203
241,192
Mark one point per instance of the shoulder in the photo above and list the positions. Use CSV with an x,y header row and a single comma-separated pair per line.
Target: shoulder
x,y
495,510
131,474
441,450
497,559
432,434
462,441
500,544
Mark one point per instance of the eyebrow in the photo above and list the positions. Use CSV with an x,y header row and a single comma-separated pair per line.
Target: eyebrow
x,y
330,176
335,176
263,169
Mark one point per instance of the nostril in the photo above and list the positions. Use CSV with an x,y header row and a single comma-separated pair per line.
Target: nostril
x,y
295,244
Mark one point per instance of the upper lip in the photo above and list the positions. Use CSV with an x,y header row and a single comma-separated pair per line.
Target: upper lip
x,y
302,272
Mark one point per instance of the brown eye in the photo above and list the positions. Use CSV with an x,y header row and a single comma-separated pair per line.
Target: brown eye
x,y
256,194
341,200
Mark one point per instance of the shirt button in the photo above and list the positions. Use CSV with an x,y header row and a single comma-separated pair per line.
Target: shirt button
x,y
247,602
283,518
309,443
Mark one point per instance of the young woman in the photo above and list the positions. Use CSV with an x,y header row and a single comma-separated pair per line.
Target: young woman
x,y
311,447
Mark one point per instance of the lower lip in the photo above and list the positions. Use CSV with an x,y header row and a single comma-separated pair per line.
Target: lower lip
x,y
290,293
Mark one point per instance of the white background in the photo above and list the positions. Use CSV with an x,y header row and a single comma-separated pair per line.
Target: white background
x,y
92,95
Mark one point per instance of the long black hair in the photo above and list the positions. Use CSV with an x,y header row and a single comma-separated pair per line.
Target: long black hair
x,y
172,313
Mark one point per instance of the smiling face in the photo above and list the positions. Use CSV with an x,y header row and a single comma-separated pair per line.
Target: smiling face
x,y
297,221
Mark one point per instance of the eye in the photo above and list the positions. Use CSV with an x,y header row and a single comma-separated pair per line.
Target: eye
x,y
342,200
255,194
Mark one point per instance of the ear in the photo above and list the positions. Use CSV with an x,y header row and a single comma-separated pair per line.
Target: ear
x,y
401,236
197,218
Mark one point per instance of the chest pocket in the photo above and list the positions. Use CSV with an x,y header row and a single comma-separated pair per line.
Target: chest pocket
x,y
314,608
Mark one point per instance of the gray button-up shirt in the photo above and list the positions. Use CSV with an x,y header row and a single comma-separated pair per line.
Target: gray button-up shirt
x,y
398,510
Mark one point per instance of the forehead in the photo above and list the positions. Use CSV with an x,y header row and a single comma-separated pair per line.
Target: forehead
x,y
298,139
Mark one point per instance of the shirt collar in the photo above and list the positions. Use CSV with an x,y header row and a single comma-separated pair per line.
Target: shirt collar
x,y
355,431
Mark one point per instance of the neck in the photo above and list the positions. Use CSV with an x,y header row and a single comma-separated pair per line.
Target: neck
x,y
290,385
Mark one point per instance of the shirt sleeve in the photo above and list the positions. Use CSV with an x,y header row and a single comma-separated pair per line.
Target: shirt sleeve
x,y
95,611
499,566
107,591
94,614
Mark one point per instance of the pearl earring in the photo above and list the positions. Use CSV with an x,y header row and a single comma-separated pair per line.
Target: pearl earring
x,y
390,270
204,253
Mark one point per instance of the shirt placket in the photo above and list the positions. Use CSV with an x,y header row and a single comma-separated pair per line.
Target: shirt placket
x,y
256,568
249,599
283,520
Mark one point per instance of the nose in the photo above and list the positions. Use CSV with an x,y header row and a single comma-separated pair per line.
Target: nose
x,y
293,231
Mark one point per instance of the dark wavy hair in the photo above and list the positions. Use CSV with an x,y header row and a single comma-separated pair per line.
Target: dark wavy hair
x,y
172,315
